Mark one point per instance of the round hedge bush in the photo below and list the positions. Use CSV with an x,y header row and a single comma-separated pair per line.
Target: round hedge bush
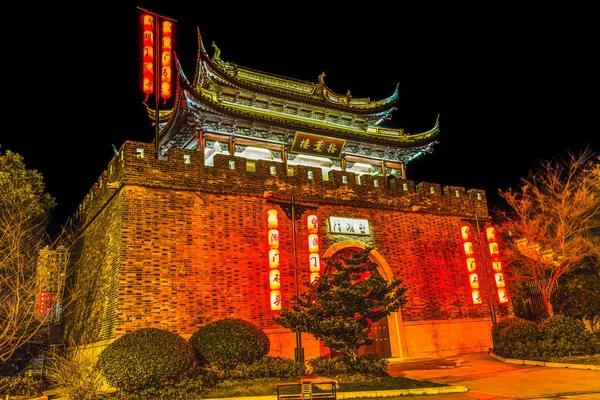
x,y
229,342
145,358
516,338
563,336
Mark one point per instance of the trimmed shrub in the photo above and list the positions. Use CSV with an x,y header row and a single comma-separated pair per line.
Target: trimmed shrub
x,y
229,342
148,357
369,364
268,367
365,364
563,336
191,386
516,338
328,366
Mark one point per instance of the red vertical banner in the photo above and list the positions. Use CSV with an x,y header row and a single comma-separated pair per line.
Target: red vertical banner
x,y
157,55
166,56
148,22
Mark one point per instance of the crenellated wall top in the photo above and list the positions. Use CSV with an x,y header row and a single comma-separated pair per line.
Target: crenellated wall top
x,y
136,165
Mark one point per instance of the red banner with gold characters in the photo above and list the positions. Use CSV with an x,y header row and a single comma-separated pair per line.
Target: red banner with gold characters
x,y
157,55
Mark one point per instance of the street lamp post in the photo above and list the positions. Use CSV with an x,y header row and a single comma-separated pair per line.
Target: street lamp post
x,y
293,213
299,351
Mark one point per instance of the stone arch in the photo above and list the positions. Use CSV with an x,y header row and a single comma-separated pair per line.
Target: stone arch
x,y
396,329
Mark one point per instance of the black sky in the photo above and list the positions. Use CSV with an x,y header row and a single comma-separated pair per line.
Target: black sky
x,y
512,87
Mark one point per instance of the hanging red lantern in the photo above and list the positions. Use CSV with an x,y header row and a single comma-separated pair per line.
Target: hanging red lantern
x,y
274,279
313,243
494,249
148,85
148,38
165,75
272,220
474,281
166,43
148,22
502,295
165,59
468,246
165,90
490,233
471,265
465,232
275,300
273,258
476,297
314,276
148,53
273,238
499,276
497,265
167,28
315,262
312,223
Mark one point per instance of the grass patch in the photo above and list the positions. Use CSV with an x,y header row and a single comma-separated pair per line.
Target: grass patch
x,y
384,383
248,387
268,386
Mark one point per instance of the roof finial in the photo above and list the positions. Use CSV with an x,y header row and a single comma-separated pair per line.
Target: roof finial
x,y
217,53
322,78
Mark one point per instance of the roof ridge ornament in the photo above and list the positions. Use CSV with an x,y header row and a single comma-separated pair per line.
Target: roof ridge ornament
x,y
217,54
322,79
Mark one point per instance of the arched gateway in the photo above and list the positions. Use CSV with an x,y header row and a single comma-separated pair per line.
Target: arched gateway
x,y
388,333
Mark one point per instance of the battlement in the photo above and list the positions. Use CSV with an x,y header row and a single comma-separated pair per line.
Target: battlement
x,y
186,170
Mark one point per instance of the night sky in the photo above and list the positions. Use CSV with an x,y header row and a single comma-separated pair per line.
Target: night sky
x,y
512,87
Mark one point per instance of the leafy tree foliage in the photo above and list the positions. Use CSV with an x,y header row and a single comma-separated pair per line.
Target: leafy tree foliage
x,y
341,306
578,296
24,212
553,220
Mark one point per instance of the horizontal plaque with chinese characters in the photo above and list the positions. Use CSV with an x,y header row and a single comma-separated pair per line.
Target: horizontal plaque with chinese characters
x,y
349,226
317,145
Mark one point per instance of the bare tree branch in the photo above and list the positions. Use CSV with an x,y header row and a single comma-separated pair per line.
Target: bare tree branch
x,y
552,220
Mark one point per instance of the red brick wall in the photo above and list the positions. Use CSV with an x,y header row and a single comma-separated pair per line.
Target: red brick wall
x,y
188,242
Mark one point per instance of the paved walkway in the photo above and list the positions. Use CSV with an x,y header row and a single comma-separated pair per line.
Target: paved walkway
x,y
488,377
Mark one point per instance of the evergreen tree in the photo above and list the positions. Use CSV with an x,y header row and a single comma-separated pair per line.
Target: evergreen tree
x,y
340,307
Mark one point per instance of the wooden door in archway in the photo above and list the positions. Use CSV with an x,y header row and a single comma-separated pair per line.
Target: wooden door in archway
x,y
381,340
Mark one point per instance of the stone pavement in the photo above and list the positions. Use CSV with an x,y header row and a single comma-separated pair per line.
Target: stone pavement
x,y
490,377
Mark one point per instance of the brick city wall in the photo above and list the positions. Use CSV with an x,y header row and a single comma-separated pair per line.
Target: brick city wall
x,y
178,245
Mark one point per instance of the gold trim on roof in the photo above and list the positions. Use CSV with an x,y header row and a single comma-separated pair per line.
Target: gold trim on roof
x,y
274,81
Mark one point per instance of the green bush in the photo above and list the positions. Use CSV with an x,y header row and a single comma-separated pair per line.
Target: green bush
x,y
20,386
515,338
268,367
369,364
148,357
563,336
328,366
366,364
229,342
191,386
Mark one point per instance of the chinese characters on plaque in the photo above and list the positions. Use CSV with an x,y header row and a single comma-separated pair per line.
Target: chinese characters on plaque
x,y
349,226
317,145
